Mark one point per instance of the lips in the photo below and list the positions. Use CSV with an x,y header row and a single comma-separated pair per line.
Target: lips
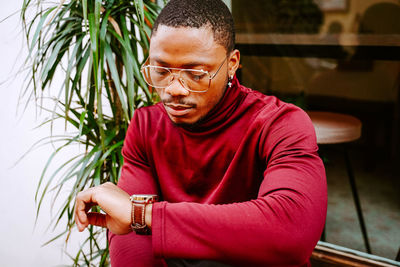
x,y
178,110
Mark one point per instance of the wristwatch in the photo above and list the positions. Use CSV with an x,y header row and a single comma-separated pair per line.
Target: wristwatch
x,y
139,203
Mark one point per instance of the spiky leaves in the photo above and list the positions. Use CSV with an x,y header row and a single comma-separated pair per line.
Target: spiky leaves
x,y
97,47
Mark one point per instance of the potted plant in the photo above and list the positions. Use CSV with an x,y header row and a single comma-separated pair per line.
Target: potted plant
x,y
97,47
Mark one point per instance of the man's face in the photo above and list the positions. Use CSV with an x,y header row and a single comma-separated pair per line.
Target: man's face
x,y
189,48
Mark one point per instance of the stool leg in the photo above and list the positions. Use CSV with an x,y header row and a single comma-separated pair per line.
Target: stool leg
x,y
356,200
323,235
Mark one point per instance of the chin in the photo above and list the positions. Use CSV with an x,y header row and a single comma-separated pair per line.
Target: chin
x,y
186,123
183,123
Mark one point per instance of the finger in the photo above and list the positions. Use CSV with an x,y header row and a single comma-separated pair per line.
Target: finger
x,y
98,219
88,206
83,203
79,216
81,220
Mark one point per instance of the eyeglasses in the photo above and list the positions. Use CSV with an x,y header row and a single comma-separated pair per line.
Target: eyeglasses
x,y
192,80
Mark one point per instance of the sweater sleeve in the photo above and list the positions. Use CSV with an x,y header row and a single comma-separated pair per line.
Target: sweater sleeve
x,y
280,227
136,175
136,178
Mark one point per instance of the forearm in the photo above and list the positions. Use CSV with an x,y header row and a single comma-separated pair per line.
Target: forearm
x,y
132,250
273,230
280,227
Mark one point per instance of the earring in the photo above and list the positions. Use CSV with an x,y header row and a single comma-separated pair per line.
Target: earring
x,y
230,81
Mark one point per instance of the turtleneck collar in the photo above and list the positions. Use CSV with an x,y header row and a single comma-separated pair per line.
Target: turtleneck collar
x,y
220,114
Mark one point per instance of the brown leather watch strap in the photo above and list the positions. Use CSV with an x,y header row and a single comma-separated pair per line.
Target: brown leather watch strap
x,y
138,211
139,203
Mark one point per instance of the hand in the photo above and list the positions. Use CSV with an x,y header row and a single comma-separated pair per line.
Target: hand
x,y
112,200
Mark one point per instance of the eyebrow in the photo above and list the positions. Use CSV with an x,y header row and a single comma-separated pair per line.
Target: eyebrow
x,y
186,65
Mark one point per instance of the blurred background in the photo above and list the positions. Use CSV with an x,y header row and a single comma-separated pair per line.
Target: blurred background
x,y
22,239
337,56
330,55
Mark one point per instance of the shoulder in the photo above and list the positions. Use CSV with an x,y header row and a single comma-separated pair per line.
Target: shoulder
x,y
145,117
264,103
279,122
271,110
149,112
142,124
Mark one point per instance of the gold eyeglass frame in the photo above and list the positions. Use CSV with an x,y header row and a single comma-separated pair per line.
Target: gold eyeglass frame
x,y
178,75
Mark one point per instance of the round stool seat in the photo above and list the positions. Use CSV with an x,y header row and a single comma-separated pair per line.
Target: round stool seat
x,y
335,128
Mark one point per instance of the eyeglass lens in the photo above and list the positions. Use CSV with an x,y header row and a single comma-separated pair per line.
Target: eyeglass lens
x,y
160,77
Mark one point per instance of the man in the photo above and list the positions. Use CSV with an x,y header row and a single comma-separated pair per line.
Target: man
x,y
236,172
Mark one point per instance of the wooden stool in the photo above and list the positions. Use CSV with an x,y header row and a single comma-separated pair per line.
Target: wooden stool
x,y
336,128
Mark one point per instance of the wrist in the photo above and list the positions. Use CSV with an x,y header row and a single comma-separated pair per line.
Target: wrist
x,y
141,212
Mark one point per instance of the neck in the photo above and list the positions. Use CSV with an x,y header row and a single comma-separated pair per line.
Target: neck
x,y
220,113
199,122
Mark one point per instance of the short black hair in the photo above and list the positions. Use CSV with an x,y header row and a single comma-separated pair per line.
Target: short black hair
x,y
200,13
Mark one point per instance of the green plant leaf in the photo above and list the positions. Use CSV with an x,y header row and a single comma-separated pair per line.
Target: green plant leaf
x,y
95,45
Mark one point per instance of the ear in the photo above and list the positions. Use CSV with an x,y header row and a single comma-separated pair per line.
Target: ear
x,y
233,63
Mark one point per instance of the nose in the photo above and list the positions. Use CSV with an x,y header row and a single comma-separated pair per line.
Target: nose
x,y
176,88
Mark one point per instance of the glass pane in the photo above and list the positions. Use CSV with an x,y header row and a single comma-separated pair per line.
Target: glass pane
x,y
338,56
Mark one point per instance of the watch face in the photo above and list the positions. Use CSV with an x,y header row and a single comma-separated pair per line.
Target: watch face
x,y
144,198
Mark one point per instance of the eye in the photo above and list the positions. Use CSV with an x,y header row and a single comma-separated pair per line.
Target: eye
x,y
159,71
196,75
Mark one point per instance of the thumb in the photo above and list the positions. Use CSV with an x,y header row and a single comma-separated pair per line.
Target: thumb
x,y
96,218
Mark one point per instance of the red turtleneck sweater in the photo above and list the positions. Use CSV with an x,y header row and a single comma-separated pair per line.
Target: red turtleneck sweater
x,y
245,187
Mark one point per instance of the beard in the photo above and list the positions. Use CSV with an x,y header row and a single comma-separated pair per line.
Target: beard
x,y
182,101
186,102
192,125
